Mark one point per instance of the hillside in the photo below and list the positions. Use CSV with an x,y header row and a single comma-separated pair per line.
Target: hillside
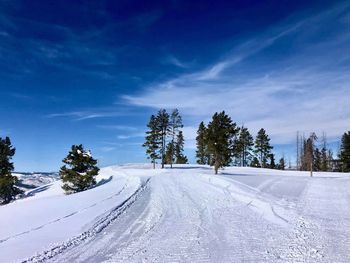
x,y
186,214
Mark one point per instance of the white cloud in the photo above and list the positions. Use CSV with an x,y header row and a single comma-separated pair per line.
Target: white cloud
x,y
117,127
304,93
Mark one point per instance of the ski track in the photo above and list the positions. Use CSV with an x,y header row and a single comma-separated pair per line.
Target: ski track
x,y
63,217
98,227
190,215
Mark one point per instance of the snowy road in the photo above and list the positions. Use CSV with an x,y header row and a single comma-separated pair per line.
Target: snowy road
x,y
243,215
187,215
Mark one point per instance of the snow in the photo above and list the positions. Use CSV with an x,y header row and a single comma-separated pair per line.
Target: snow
x,y
33,180
185,214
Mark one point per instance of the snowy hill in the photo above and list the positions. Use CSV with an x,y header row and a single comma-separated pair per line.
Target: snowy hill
x,y
27,181
185,214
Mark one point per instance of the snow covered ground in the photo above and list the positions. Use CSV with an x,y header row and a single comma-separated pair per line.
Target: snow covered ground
x,y
186,214
27,181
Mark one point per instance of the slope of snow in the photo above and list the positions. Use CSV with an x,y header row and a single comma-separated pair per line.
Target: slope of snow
x,y
185,214
27,181
49,216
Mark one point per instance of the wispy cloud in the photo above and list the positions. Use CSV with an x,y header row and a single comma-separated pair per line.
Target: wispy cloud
x,y
107,149
172,60
129,136
118,127
85,115
299,92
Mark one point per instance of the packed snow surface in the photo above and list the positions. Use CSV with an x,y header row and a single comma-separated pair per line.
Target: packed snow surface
x,y
184,214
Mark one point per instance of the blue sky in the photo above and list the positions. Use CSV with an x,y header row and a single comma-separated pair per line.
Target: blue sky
x,y
92,72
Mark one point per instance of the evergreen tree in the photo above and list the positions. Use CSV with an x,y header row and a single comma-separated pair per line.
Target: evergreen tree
x,y
255,162
169,153
317,160
8,190
324,160
202,149
244,145
175,123
180,158
163,130
81,171
281,164
272,164
262,147
153,141
221,133
344,154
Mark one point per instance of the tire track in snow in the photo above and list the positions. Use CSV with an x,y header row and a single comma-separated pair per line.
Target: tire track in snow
x,y
63,217
323,229
98,226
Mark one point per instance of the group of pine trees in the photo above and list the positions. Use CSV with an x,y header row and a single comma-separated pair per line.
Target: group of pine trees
x,y
164,139
222,143
78,173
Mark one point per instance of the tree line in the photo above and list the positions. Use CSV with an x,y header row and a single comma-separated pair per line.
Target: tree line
x,y
164,138
222,143
312,157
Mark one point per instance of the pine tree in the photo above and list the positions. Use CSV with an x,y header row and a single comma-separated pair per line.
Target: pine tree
x,y
169,153
324,160
175,123
244,145
202,149
262,147
81,171
180,158
163,130
272,164
281,164
153,141
221,134
344,154
255,162
324,165
317,160
8,190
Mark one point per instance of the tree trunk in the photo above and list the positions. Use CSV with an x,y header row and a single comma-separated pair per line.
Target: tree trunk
x,y
154,164
216,167
163,149
311,168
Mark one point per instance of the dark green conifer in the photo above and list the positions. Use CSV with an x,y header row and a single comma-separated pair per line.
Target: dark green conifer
x,y
202,145
344,154
221,134
153,141
163,130
244,145
79,171
8,189
180,158
175,123
262,147
281,164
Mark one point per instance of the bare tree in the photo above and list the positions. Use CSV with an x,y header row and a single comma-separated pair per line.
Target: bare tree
x,y
309,152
